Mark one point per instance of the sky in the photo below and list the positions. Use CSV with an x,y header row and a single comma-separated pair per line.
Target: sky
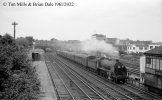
x,y
133,19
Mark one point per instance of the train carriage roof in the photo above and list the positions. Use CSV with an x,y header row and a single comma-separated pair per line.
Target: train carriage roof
x,y
76,54
81,55
155,51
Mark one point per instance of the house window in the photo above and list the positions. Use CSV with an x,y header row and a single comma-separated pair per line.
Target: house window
x,y
157,64
151,47
160,64
134,48
153,63
145,48
156,46
148,60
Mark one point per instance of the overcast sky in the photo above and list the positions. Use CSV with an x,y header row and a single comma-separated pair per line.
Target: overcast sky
x,y
133,19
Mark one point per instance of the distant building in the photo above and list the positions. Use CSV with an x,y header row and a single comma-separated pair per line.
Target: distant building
x,y
122,45
99,36
134,48
112,41
152,46
140,48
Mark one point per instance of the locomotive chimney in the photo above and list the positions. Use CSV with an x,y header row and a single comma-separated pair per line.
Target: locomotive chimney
x,y
117,60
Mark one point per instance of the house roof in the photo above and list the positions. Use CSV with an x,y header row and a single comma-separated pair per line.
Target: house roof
x,y
155,43
141,45
156,51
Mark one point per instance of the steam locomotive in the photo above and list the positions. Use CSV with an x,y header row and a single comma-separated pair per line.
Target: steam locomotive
x,y
105,67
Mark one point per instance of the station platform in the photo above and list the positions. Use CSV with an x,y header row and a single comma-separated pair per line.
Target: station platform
x,y
47,89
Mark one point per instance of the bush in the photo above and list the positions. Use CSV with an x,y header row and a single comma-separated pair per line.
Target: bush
x,y
18,79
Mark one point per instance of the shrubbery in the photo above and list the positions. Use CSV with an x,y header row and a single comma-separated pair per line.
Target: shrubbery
x,y
18,80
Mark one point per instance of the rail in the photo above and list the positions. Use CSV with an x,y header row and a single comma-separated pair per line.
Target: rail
x,y
54,75
105,86
144,92
87,93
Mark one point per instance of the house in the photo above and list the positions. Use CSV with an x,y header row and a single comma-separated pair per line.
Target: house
x,y
140,48
137,48
152,46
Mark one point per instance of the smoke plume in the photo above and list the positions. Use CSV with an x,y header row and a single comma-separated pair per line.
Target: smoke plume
x,y
95,47
91,47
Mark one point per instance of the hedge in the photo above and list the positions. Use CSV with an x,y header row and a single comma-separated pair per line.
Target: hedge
x,y
18,79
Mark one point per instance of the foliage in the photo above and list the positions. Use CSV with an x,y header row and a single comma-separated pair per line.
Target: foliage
x,y
6,39
18,79
30,40
22,42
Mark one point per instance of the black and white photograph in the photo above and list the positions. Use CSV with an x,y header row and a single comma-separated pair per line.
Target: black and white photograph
x,y
80,49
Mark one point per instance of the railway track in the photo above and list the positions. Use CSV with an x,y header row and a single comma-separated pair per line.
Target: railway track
x,y
128,62
137,93
108,93
76,88
142,92
60,87
132,68
116,91
133,71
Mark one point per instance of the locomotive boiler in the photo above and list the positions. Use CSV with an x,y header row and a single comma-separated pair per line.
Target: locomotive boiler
x,y
112,69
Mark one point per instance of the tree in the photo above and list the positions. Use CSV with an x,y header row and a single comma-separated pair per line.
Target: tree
x,y
22,42
30,40
6,40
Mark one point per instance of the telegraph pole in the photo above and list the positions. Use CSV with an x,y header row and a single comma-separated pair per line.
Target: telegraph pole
x,y
14,24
